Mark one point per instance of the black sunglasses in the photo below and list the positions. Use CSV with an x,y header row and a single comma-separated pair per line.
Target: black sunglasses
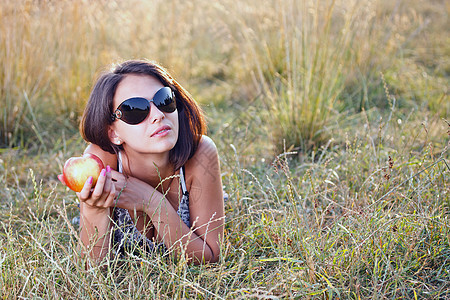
x,y
135,110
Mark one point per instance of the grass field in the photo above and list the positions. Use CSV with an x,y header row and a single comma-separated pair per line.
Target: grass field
x,y
332,123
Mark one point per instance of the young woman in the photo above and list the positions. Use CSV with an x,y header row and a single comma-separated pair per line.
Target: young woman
x,y
161,188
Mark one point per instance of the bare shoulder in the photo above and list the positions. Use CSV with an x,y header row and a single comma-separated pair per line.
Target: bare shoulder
x,y
205,160
107,158
206,149
206,144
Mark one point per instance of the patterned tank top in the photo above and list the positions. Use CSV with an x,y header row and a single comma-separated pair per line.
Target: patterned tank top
x,y
127,238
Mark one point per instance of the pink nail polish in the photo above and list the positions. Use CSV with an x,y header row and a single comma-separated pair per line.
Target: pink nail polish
x,y
108,168
90,179
103,173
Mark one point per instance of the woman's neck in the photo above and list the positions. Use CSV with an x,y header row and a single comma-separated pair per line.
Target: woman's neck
x,y
150,168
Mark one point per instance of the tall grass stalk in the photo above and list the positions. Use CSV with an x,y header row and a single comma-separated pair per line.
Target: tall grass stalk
x,y
43,71
300,56
297,56
52,51
311,62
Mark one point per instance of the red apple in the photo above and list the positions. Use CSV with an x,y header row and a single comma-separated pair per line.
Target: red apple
x,y
78,169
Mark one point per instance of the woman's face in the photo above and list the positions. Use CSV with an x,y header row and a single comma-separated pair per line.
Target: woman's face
x,y
158,133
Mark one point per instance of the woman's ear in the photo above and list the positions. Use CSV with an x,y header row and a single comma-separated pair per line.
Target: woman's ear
x,y
113,137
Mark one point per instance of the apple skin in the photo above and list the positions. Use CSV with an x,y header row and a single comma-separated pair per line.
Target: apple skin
x,y
78,169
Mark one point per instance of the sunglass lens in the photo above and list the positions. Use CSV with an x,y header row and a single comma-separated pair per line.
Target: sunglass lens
x,y
165,100
134,110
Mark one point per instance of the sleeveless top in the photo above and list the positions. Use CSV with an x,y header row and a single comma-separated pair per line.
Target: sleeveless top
x,y
127,238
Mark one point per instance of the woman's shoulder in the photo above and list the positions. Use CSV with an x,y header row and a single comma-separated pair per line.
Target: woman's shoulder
x,y
107,158
204,158
206,148
206,141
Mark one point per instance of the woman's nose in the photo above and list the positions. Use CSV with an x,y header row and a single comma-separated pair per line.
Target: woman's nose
x,y
155,114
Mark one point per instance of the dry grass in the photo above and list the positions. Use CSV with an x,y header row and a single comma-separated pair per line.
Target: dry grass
x,y
362,84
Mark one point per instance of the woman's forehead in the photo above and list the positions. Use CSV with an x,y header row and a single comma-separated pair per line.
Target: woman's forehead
x,y
136,85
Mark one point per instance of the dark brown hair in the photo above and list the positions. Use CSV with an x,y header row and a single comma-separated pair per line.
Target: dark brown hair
x,y
97,113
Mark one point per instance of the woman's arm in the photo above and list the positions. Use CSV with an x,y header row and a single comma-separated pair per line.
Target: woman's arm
x,y
202,243
206,204
95,211
95,215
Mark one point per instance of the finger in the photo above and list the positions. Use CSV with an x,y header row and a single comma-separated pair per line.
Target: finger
x,y
108,181
111,199
99,186
84,193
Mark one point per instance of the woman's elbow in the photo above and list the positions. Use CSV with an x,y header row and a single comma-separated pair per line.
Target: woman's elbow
x,y
205,257
214,259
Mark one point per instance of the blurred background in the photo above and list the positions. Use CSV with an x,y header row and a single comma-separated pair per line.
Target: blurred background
x,y
288,72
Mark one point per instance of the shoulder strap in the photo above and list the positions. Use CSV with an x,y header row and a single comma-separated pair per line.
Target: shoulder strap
x,y
119,162
183,181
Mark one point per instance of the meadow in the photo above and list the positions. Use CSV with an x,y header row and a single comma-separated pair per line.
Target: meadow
x,y
331,119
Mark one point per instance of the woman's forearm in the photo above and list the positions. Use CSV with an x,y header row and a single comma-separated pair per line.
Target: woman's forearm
x,y
95,229
176,234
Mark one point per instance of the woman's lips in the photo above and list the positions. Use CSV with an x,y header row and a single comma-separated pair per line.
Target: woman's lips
x,y
161,131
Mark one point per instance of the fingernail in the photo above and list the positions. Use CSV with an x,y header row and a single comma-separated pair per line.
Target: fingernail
x,y
90,179
108,168
103,173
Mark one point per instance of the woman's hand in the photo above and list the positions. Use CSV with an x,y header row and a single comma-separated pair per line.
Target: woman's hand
x,y
102,195
131,193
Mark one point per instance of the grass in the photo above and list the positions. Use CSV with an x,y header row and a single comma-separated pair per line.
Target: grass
x,y
345,224
349,201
